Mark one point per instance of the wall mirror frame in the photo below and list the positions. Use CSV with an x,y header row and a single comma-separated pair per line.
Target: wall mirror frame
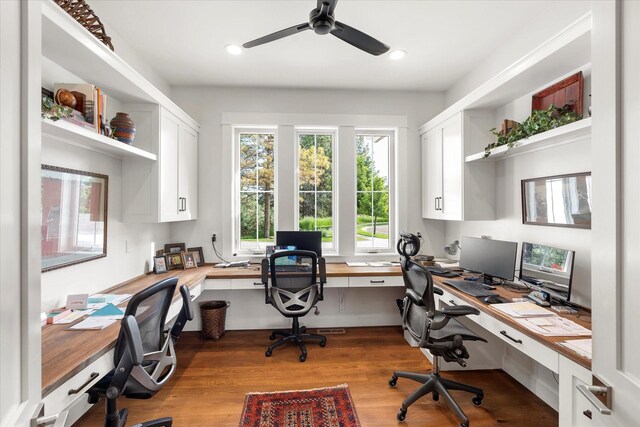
x,y
74,207
558,201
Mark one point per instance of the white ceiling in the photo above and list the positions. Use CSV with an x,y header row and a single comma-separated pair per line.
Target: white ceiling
x,y
184,40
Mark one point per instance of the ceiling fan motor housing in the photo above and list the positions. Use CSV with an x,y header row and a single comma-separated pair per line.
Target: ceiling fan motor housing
x,y
321,22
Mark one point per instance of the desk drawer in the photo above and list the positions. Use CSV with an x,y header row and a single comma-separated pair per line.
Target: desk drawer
x,y
217,284
60,399
247,284
375,281
337,282
527,345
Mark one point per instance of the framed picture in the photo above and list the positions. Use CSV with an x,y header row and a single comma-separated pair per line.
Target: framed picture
x,y
174,261
198,255
73,216
174,248
560,201
160,264
159,252
188,260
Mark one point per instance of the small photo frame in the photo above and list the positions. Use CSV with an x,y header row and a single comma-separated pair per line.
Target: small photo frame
x,y
160,252
174,248
198,255
174,261
188,260
160,264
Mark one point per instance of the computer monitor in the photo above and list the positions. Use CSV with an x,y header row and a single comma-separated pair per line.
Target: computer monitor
x,y
492,258
547,269
302,240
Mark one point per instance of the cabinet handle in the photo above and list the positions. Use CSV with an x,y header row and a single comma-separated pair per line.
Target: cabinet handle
x,y
435,203
589,392
452,302
184,204
258,284
511,338
441,203
376,281
92,377
587,413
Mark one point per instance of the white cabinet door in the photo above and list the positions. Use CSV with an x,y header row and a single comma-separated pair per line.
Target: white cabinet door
x,y
432,173
188,173
574,407
452,159
169,155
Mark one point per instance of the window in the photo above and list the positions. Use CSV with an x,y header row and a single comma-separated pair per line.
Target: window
x,y
315,185
257,198
373,197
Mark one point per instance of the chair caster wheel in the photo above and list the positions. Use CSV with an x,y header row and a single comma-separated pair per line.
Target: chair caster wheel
x,y
272,337
401,415
477,401
393,381
267,353
323,343
303,357
436,396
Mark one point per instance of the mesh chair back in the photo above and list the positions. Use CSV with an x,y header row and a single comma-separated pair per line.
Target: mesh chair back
x,y
293,270
418,279
150,307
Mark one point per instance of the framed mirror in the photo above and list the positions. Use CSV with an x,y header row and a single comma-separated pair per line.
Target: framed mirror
x,y
562,201
74,216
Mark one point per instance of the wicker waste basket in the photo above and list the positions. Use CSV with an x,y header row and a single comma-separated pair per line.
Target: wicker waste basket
x,y
213,314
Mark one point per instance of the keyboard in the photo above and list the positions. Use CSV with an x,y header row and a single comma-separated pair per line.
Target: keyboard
x,y
470,288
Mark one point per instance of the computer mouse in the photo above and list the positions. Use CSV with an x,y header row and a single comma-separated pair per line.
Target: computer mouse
x,y
493,299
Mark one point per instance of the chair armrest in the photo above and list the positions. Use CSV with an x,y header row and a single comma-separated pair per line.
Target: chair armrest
x,y
438,291
265,280
322,275
185,314
134,341
459,310
414,297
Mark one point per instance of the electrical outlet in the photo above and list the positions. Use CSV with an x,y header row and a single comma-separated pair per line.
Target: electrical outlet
x,y
213,238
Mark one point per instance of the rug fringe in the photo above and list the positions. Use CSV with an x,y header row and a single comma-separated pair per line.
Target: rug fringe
x,y
297,391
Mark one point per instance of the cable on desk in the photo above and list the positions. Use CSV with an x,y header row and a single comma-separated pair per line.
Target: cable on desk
x,y
216,252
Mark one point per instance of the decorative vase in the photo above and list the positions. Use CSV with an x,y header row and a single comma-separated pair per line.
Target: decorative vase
x,y
123,128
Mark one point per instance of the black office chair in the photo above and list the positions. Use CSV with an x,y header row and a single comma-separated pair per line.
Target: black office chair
x,y
294,291
144,356
435,330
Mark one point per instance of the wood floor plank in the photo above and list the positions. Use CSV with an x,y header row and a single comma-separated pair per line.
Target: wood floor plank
x,y
212,379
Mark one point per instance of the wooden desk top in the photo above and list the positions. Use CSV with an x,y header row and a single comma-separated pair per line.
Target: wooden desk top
x,y
552,342
65,353
333,270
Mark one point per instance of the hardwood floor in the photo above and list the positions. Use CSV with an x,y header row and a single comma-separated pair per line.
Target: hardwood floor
x,y
212,378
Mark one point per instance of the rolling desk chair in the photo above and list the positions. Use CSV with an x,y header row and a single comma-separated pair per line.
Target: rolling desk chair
x,y
435,330
144,354
294,291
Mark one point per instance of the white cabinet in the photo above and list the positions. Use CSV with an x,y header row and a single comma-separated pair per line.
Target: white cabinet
x,y
166,190
574,407
451,189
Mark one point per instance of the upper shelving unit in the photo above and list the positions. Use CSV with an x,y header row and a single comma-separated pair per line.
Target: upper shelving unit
x,y
70,45
558,56
567,134
69,133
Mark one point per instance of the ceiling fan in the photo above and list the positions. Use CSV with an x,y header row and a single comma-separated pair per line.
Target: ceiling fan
x,y
323,21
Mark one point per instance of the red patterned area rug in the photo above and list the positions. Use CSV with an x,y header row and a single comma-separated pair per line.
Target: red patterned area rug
x,y
321,407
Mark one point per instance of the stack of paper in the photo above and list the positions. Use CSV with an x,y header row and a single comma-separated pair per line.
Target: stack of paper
x,y
91,323
554,326
522,309
582,347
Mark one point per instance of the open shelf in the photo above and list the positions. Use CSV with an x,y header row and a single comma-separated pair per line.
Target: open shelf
x,y
69,133
566,134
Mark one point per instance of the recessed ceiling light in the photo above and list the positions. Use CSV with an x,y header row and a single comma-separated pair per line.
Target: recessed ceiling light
x,y
233,49
397,54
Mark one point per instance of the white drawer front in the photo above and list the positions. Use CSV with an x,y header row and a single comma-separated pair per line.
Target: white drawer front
x,y
529,346
337,282
60,399
377,281
247,284
217,284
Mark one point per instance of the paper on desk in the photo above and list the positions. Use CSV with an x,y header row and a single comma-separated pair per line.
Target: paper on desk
x,y
522,309
72,317
91,323
555,326
380,264
582,346
356,264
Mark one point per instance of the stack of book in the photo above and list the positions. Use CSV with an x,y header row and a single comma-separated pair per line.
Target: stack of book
x,y
91,105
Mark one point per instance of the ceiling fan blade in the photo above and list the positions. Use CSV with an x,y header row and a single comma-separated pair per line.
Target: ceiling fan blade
x,y
278,35
359,39
332,5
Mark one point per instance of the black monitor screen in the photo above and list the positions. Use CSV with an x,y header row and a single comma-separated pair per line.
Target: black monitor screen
x,y
549,269
494,258
302,240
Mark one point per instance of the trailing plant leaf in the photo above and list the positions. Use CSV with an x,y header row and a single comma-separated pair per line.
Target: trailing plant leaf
x,y
539,121
53,111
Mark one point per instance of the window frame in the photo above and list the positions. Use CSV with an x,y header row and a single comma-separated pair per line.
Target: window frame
x,y
392,134
236,192
334,175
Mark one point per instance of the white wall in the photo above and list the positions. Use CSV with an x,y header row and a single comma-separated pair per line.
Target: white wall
x,y
206,105
130,247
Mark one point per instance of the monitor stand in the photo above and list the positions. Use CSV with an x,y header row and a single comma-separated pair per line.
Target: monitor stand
x,y
487,279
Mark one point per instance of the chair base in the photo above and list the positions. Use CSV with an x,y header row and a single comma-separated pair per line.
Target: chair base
x,y
115,418
436,385
296,335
